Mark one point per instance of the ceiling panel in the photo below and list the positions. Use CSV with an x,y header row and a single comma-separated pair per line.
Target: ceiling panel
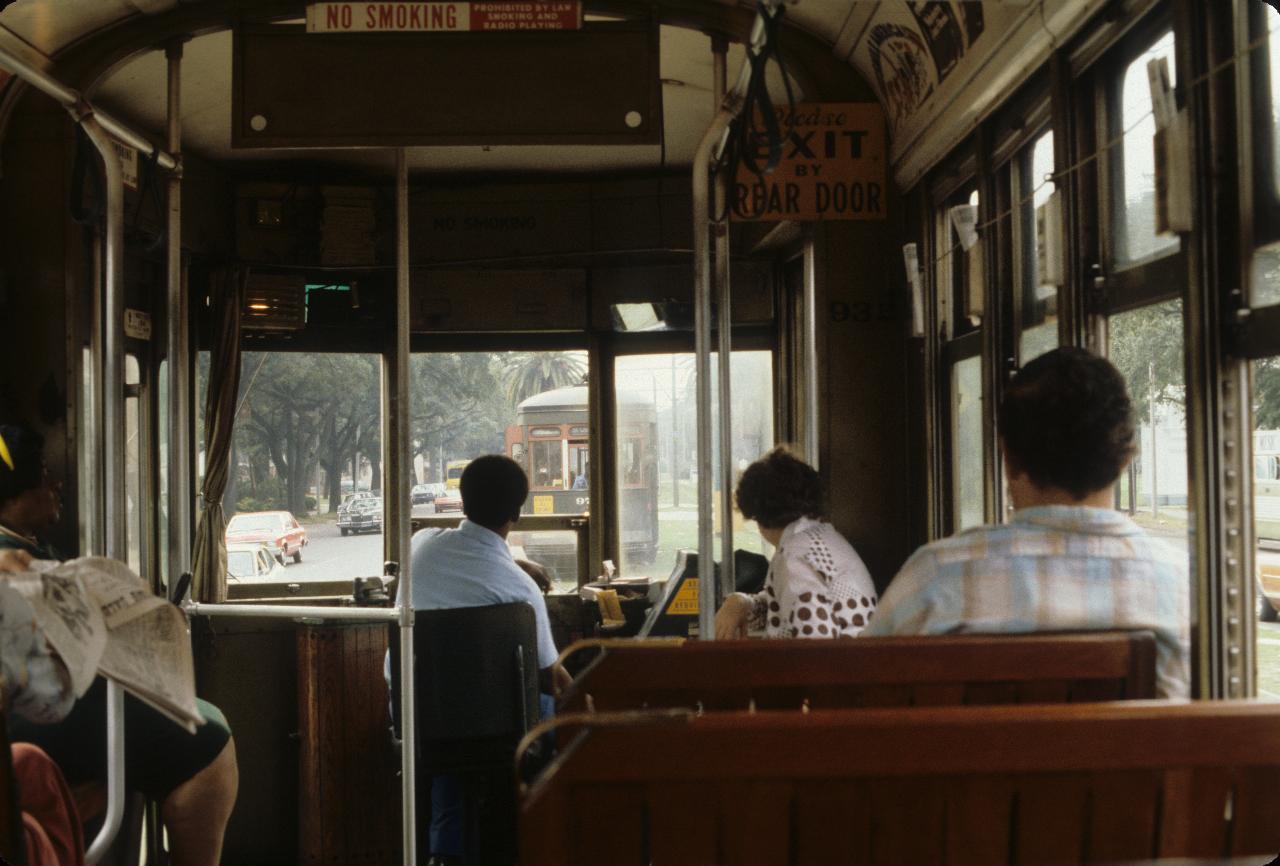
x,y
137,91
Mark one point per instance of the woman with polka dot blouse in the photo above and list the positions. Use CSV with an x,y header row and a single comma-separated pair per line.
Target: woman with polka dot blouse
x,y
817,587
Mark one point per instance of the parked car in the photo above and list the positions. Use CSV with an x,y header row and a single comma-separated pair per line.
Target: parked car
x,y
349,498
252,562
1268,567
362,515
422,494
278,530
450,500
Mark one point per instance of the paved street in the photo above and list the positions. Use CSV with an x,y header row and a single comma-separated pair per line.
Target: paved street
x,y
329,556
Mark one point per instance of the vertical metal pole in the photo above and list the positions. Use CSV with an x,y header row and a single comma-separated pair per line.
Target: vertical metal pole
x,y
702,354
810,325
91,497
720,231
179,420
113,476
397,488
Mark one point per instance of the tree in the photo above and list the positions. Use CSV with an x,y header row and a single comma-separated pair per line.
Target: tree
x,y
1266,394
458,406
1146,346
529,373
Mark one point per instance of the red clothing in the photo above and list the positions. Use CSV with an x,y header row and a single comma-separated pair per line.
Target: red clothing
x,y
50,821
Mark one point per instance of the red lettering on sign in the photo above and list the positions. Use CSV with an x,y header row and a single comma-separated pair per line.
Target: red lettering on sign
x,y
437,16
386,16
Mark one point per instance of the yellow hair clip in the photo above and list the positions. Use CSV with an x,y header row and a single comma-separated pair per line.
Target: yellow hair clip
x,y
5,456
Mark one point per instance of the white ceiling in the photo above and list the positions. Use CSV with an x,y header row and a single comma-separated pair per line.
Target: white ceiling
x,y
137,91
1015,40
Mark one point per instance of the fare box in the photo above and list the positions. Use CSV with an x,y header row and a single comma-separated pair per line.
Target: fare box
x,y
833,167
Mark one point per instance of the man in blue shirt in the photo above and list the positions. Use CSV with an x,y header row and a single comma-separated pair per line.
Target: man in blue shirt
x,y
471,566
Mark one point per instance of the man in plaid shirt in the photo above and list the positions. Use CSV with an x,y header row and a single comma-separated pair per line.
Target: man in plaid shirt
x,y
1066,560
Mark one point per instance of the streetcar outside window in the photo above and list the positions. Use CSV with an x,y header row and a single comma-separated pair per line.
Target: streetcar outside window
x,y
1133,162
467,404
547,468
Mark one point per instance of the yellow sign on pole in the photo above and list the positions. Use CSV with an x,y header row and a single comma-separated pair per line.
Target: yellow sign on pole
x,y
686,601
832,167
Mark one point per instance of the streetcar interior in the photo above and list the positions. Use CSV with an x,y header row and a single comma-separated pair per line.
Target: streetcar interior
x,y
432,246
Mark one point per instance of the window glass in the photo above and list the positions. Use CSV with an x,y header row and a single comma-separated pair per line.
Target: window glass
x,y
657,453
1265,267
1146,345
133,469
547,471
307,443
87,457
963,268
163,414
1271,20
1266,528
1133,175
968,497
467,404
1039,300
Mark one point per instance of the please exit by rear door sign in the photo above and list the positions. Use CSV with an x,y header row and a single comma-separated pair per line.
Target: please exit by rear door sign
x,y
832,167
437,17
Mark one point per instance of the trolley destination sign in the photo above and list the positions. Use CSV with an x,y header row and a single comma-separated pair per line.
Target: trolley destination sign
x,y
438,17
832,167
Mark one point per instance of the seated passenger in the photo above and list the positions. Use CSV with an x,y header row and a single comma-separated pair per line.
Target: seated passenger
x,y
36,686
817,586
1067,560
471,566
193,776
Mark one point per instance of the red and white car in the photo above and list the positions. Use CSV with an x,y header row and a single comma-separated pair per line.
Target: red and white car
x,y
278,530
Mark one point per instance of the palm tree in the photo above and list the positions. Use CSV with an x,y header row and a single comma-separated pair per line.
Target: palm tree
x,y
529,373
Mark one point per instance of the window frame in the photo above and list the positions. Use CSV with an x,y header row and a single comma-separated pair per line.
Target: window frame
x,y
1140,283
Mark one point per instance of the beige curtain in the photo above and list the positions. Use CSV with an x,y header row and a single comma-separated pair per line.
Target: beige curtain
x,y
209,559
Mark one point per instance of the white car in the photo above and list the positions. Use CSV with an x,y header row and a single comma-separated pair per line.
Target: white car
x,y
251,562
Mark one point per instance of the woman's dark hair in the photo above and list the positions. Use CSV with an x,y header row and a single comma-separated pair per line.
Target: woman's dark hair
x,y
779,489
21,461
493,489
1067,422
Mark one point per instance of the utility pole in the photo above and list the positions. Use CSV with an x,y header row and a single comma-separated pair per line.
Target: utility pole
x,y
1151,408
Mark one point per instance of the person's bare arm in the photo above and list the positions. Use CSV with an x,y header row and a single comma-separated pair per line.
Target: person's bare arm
x,y
14,561
554,680
540,575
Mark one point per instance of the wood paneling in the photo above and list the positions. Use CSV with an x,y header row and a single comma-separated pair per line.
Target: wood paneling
x,y
349,804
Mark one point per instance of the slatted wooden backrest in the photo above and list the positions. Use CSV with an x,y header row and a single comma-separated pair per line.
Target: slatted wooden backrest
x,y
1061,784
869,672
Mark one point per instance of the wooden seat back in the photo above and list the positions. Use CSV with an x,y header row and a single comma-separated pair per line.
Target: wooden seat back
x,y
868,672
1061,784
13,847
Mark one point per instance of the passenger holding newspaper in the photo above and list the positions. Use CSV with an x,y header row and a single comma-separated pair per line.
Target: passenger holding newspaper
x,y
104,621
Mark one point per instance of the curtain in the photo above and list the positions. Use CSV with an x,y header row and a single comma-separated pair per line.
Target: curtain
x,y
209,559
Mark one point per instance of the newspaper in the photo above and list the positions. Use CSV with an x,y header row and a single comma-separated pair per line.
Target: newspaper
x,y
101,618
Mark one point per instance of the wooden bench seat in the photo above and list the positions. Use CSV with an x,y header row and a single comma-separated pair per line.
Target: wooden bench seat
x,y
913,671
1105,782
